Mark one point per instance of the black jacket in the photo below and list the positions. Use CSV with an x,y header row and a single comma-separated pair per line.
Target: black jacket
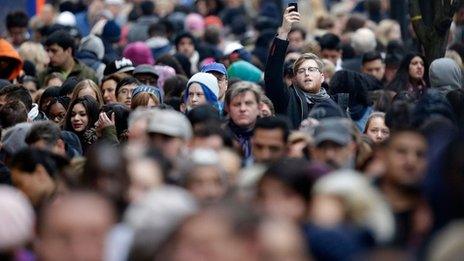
x,y
291,100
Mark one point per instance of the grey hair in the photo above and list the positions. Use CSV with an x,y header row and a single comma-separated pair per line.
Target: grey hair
x,y
242,87
363,41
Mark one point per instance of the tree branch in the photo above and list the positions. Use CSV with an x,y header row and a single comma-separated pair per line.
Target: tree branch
x,y
416,18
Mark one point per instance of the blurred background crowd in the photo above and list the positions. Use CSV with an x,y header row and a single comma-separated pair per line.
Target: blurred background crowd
x,y
232,130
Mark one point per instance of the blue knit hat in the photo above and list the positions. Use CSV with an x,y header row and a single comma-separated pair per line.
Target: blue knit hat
x,y
148,89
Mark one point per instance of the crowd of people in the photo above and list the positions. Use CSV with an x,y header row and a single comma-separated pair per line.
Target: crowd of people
x,y
228,130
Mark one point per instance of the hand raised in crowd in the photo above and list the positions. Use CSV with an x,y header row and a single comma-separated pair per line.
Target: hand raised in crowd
x,y
103,122
290,18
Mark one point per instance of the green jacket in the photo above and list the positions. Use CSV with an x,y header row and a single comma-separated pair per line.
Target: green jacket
x,y
79,70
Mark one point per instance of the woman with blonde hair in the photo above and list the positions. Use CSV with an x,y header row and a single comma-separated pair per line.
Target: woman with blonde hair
x,y
388,30
36,54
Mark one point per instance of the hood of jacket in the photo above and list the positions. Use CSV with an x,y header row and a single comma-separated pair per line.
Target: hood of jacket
x,y
15,63
445,74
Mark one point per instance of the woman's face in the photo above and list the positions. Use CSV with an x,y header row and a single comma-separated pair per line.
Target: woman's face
x,y
196,96
87,91
416,68
79,118
57,112
125,94
152,103
109,91
377,130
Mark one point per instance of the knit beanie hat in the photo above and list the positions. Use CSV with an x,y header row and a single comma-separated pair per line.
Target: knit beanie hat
x,y
245,71
148,89
93,44
206,80
139,53
16,217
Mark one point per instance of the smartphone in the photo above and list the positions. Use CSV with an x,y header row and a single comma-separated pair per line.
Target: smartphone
x,y
109,112
295,7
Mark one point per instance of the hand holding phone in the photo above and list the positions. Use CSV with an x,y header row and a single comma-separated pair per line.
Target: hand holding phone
x,y
290,17
294,5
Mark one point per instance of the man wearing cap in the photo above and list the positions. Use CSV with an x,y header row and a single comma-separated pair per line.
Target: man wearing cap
x,y
146,74
220,72
202,88
122,65
169,131
334,144
234,52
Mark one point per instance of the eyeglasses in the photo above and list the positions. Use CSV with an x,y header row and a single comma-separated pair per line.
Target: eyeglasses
x,y
310,69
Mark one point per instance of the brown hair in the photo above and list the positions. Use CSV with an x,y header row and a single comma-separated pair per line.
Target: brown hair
x,y
308,56
268,102
375,114
52,75
117,77
12,113
88,83
142,99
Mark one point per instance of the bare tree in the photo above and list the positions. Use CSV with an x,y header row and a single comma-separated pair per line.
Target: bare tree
x,y
431,20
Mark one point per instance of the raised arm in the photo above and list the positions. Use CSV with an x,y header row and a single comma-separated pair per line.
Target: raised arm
x,y
273,75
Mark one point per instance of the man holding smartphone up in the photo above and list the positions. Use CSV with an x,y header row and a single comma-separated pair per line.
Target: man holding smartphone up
x,y
297,100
